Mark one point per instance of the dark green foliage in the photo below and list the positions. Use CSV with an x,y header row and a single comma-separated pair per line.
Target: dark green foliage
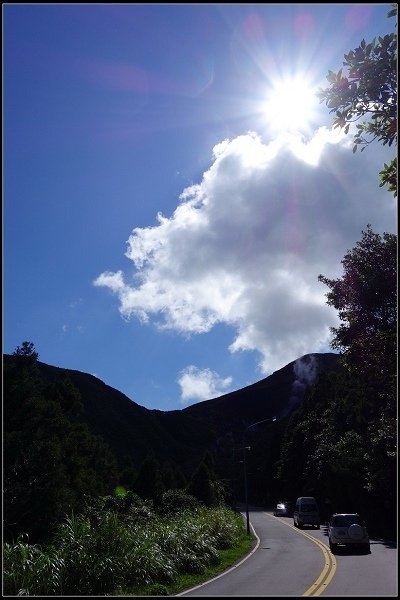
x,y
366,300
149,483
388,176
328,448
180,479
128,473
201,486
104,552
209,462
130,508
172,476
175,501
367,93
27,570
122,501
341,441
131,430
264,441
26,353
158,589
50,460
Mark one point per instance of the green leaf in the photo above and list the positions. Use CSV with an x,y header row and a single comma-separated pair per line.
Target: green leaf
x,y
331,77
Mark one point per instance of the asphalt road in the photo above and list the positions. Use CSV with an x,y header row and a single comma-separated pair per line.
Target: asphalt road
x,y
287,561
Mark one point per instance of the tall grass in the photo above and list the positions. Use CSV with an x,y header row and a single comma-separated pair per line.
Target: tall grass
x,y
97,558
27,570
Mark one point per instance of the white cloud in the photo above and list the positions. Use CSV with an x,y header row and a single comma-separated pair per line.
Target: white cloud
x,y
245,246
201,384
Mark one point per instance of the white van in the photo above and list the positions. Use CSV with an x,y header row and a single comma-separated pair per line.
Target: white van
x,y
306,512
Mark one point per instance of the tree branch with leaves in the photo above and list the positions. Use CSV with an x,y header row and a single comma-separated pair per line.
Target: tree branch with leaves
x,y
365,92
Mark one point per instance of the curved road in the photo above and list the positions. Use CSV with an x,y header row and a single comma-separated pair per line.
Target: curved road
x,y
287,561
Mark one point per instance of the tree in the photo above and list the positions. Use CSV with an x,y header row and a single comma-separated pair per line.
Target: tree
x,y
201,486
366,299
26,352
51,460
209,462
149,484
367,94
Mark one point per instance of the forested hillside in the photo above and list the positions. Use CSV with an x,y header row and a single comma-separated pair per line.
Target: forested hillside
x,y
69,435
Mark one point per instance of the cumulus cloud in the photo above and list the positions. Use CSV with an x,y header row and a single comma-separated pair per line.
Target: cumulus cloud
x,y
245,245
201,384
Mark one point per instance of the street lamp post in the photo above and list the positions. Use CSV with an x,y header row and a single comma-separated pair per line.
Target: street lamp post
x,y
245,468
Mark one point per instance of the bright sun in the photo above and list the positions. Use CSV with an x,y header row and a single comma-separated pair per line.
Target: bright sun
x,y
291,105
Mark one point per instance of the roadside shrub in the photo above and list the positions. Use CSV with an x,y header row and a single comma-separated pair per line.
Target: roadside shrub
x,y
174,501
130,507
122,502
92,555
27,570
195,548
147,563
158,590
99,556
223,525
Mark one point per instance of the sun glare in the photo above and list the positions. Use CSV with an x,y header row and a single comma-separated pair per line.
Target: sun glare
x,y
290,105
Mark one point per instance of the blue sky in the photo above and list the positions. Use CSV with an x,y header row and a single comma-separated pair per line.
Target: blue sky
x,y
166,209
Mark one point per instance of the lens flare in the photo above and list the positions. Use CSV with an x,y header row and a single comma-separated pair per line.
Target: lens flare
x,y
120,491
291,105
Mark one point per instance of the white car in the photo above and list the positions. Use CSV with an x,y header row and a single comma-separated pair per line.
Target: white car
x,y
347,529
282,509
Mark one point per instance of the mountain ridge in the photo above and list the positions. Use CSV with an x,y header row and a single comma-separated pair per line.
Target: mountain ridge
x,y
182,436
275,395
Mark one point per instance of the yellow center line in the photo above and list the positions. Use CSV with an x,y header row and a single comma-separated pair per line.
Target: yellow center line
x,y
327,572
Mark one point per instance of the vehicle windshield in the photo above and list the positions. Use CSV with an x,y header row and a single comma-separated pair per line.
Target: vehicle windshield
x,y
346,520
308,508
